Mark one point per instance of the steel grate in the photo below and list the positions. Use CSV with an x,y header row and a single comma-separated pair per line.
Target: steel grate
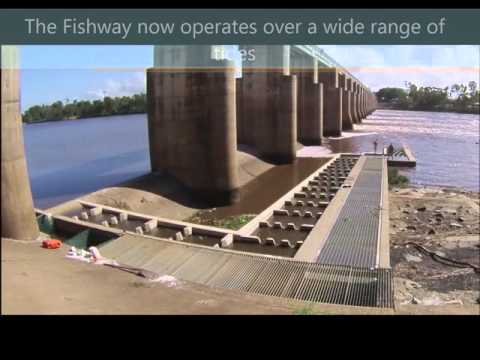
x,y
343,285
353,239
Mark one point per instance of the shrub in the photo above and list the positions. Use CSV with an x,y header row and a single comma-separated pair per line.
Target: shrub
x,y
394,178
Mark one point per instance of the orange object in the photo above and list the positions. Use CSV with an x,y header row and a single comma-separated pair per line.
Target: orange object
x,y
51,243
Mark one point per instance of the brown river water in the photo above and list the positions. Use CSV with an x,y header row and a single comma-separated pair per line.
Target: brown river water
x,y
446,145
68,159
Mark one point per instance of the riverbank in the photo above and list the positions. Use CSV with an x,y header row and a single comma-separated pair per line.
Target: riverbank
x,y
43,281
444,221
81,118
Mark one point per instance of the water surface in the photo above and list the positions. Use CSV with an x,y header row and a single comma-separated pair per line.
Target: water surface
x,y
67,159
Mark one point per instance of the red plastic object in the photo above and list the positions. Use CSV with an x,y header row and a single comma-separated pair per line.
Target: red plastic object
x,y
51,244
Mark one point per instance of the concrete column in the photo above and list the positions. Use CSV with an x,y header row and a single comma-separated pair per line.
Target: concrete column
x,y
332,104
364,103
365,95
310,114
192,122
268,112
352,101
347,123
267,104
18,215
361,98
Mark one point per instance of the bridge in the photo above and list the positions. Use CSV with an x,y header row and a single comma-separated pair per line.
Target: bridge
x,y
199,111
326,239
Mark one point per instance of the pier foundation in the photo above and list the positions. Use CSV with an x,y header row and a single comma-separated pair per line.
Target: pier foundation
x,y
18,215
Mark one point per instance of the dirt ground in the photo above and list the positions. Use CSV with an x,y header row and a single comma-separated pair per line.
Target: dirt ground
x,y
444,221
40,281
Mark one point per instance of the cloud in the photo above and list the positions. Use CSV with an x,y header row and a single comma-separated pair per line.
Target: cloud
x,y
134,84
432,65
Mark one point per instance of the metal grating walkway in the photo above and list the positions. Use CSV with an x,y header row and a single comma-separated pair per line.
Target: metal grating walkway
x,y
343,285
353,240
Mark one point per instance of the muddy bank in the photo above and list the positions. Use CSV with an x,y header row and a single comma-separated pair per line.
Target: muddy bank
x,y
445,222
262,191
161,195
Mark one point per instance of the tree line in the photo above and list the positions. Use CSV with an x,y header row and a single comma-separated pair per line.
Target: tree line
x,y
456,98
84,109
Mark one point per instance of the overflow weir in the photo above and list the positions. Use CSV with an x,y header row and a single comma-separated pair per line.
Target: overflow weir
x,y
324,241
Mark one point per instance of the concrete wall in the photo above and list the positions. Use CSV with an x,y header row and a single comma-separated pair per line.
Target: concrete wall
x,y
192,128
18,216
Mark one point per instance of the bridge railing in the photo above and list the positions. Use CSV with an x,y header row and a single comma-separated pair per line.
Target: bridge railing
x,y
317,52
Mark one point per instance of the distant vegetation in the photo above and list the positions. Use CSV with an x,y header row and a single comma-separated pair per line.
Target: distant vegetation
x,y
456,98
84,109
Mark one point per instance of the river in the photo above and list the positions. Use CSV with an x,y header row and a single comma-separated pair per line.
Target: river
x,y
67,159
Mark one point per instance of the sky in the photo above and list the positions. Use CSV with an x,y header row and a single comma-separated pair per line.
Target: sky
x,y
51,73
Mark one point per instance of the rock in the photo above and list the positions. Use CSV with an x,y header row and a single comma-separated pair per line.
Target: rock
x,y
415,300
455,225
411,258
454,301
411,227
433,300
405,211
421,208
439,253
431,232
460,219
439,216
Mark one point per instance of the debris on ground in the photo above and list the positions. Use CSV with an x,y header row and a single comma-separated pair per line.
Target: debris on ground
x,y
435,246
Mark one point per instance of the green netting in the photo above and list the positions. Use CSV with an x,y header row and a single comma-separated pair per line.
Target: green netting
x,y
80,240
46,224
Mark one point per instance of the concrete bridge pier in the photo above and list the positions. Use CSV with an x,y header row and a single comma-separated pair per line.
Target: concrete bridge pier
x,y
332,106
18,214
352,102
363,114
192,120
309,98
347,122
373,103
365,102
267,98
358,115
